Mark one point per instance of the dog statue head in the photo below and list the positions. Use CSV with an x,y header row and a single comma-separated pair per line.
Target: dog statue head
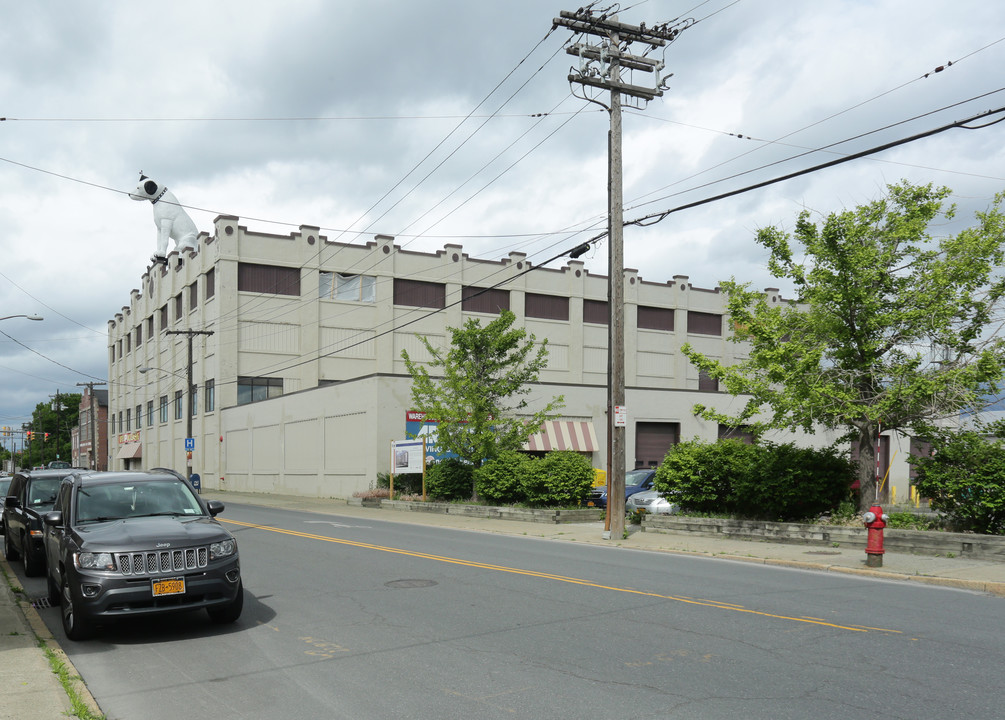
x,y
147,189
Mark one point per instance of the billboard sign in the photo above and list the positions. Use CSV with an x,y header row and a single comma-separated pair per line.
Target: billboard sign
x,y
418,428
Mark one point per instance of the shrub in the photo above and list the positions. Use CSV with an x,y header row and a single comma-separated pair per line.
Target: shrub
x,y
404,484
448,479
700,476
792,483
561,478
500,481
771,482
965,479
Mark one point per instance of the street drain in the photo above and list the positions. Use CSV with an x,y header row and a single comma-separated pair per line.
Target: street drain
x,y
41,603
410,583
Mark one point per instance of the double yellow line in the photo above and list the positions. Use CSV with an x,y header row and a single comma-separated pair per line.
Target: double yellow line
x,y
551,576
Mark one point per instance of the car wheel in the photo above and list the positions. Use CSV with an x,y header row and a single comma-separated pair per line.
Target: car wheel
x,y
75,626
8,550
228,613
32,565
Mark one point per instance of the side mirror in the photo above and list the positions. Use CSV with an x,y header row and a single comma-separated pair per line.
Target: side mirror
x,y
10,501
53,519
215,507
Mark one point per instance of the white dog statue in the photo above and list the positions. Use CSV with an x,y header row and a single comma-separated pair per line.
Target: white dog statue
x,y
169,216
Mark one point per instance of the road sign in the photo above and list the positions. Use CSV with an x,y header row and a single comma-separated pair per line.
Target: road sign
x,y
190,444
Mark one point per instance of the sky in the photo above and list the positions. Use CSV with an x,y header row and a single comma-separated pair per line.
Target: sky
x,y
452,121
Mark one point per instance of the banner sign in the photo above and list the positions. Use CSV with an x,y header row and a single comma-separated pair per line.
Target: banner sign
x,y
417,428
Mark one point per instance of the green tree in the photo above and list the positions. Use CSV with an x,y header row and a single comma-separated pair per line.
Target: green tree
x,y
56,422
480,399
890,326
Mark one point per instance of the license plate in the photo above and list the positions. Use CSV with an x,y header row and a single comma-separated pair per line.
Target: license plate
x,y
589,503
169,586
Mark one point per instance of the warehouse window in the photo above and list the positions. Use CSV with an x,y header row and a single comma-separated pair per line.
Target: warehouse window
x,y
702,323
416,293
269,279
595,311
654,318
253,389
484,300
352,288
547,307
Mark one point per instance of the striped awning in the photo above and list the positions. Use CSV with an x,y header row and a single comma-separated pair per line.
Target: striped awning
x,y
564,435
128,451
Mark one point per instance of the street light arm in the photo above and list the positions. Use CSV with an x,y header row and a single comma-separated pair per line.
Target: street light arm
x,y
30,317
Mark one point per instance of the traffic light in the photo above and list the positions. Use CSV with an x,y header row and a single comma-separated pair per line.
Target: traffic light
x,y
46,438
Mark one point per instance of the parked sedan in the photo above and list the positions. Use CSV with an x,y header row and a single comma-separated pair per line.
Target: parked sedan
x,y
635,481
128,544
30,495
4,484
652,502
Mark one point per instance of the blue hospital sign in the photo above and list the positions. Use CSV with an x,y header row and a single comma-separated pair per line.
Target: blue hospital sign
x,y
189,444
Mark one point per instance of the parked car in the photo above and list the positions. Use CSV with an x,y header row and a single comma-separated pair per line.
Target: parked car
x,y
128,544
635,481
4,484
30,495
58,465
652,502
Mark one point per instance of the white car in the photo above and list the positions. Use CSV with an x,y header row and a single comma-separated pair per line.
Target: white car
x,y
650,501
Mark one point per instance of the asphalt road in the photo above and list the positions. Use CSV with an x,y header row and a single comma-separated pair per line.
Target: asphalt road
x,y
354,619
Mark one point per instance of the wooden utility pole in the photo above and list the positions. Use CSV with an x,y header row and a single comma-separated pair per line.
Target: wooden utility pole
x,y
191,392
600,68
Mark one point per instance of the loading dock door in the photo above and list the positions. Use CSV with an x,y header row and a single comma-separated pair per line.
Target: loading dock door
x,y
653,440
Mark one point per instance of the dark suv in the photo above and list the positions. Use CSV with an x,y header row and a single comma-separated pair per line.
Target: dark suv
x,y
127,544
30,495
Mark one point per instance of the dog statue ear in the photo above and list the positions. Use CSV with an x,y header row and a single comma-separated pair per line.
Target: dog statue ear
x,y
150,187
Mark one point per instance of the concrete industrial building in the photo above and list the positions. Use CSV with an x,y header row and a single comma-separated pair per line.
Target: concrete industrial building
x,y
300,387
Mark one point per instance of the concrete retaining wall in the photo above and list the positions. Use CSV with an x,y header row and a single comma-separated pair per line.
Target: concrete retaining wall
x,y
543,515
981,547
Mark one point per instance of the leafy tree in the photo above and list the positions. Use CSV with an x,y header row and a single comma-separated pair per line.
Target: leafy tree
x,y
890,325
479,401
56,422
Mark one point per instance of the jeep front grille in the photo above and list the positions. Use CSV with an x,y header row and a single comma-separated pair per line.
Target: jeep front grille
x,y
162,561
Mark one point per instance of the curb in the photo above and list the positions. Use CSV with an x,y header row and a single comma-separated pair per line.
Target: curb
x,y
47,641
991,588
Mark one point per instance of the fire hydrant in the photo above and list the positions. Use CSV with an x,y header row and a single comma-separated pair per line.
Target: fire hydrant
x,y
875,521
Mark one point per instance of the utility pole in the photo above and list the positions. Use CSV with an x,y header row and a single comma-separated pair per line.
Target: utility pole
x,y
94,422
191,392
600,68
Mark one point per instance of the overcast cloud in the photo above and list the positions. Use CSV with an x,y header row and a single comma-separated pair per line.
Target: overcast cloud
x,y
310,112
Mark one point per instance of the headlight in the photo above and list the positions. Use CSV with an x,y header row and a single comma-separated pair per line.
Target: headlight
x,y
222,549
95,561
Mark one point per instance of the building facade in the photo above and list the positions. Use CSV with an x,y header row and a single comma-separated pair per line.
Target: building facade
x,y
90,435
296,342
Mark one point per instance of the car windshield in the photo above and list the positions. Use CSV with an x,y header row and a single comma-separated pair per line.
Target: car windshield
x,y
42,492
636,477
101,503
4,486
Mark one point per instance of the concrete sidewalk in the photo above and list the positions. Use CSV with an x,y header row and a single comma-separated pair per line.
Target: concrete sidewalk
x,y
31,690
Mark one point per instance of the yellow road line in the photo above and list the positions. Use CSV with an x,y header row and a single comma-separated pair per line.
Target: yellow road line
x,y
549,576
